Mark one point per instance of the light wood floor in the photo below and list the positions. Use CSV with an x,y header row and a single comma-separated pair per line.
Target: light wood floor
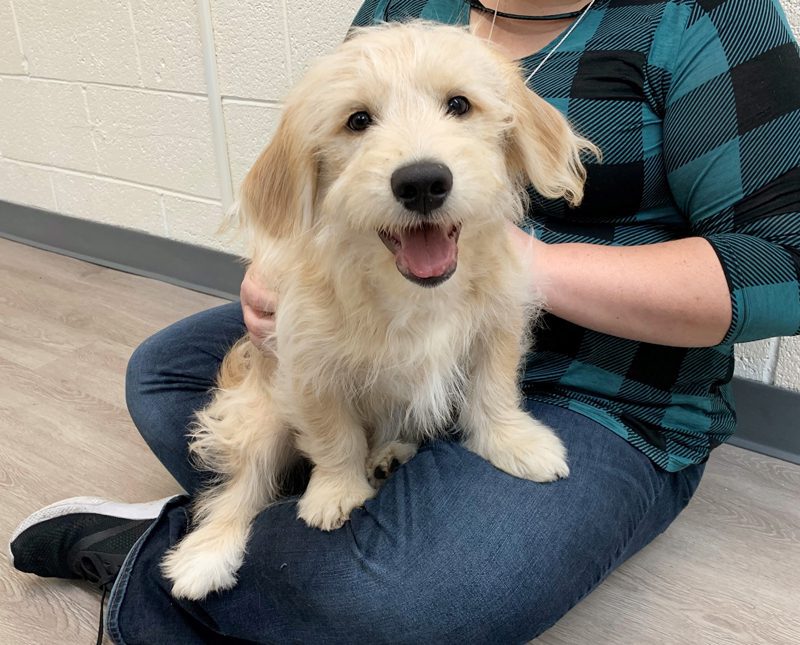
x,y
727,571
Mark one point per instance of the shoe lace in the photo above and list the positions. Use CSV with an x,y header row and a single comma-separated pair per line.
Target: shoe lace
x,y
98,568
101,570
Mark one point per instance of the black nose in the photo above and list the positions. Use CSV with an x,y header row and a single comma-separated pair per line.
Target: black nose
x,y
423,186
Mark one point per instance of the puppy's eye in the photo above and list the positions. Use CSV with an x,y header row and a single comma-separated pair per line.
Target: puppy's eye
x,y
458,106
359,121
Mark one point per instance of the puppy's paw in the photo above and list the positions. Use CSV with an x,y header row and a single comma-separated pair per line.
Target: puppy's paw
x,y
528,450
386,459
197,567
327,503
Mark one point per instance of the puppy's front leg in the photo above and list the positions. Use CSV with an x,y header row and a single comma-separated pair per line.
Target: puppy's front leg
x,y
336,443
495,426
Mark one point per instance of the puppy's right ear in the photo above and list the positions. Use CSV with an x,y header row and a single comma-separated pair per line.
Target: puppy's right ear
x,y
277,195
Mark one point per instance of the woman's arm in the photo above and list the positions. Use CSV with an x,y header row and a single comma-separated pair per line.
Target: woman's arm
x,y
731,120
673,293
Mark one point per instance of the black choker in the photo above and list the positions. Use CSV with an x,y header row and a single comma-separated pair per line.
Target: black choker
x,y
478,6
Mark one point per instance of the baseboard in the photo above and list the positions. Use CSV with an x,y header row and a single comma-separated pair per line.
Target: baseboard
x,y
768,420
185,265
768,416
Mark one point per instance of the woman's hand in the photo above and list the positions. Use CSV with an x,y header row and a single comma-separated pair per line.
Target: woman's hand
x,y
258,308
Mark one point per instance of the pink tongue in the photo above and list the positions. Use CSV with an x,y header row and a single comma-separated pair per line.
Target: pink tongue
x,y
427,251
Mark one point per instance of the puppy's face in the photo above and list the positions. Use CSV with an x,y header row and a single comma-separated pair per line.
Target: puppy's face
x,y
405,139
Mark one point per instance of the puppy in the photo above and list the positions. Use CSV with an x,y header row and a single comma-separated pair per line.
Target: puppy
x,y
378,213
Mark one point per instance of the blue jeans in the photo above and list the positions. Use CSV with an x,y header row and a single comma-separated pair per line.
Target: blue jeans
x,y
450,551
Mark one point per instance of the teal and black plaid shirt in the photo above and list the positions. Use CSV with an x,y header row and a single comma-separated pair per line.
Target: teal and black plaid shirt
x,y
696,107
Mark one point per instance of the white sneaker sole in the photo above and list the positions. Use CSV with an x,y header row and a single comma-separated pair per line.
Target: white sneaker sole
x,y
95,505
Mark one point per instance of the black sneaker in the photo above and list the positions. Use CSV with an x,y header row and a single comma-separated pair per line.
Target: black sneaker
x,y
84,538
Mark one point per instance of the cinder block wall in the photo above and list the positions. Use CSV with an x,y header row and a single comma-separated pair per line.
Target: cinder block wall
x,y
146,114
143,113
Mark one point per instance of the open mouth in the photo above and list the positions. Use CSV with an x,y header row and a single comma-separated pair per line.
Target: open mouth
x,y
426,254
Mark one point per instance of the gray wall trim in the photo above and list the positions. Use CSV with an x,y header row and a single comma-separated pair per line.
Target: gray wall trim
x,y
185,265
769,417
768,420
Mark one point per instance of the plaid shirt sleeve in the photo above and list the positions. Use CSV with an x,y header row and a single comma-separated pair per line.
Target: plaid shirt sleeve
x,y
732,153
367,13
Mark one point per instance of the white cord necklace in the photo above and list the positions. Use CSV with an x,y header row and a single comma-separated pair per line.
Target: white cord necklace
x,y
558,44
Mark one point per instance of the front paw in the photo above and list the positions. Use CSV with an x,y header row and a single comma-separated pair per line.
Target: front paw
x,y
327,504
385,460
526,449
198,566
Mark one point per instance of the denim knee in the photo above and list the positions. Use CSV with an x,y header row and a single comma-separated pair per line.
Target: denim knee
x,y
173,371
140,369
170,377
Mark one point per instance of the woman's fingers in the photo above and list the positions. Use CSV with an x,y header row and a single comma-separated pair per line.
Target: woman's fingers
x,y
258,308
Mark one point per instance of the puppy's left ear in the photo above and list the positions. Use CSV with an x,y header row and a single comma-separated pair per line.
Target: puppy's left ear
x,y
544,148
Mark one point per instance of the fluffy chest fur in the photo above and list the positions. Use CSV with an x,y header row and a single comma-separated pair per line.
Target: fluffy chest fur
x,y
399,354
402,365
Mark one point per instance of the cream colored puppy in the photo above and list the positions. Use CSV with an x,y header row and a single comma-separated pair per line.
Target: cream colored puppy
x,y
378,214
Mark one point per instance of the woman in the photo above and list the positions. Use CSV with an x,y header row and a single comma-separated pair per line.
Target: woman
x,y
687,242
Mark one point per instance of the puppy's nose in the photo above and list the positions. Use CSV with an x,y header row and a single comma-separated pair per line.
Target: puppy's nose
x,y
422,186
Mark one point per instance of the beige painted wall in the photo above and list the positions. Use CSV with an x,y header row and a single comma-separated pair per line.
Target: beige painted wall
x,y
146,114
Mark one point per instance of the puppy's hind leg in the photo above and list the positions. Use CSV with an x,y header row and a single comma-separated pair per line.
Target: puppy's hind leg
x,y
384,459
241,439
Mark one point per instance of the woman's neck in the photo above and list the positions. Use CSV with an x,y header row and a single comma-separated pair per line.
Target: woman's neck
x,y
534,7
521,38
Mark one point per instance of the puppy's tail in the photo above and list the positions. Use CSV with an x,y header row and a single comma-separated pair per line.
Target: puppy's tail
x,y
240,419
238,361
241,360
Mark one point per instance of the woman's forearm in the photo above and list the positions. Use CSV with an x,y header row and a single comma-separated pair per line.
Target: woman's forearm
x,y
672,293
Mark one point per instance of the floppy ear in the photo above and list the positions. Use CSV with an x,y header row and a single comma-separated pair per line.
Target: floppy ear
x,y
544,148
277,195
